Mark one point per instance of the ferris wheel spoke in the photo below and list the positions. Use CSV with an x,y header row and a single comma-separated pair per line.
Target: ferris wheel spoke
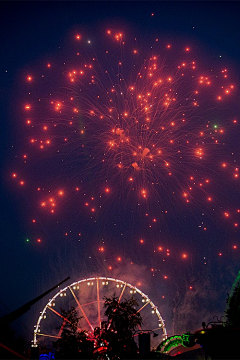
x,y
92,302
98,303
47,335
61,328
91,309
143,307
120,297
80,307
61,316
55,312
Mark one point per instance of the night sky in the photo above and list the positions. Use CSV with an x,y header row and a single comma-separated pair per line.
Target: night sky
x,y
174,233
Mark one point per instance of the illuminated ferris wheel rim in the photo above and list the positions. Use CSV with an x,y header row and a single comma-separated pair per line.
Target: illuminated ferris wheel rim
x,y
73,286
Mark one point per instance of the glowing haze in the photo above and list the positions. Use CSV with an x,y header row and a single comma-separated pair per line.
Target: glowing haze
x,y
130,155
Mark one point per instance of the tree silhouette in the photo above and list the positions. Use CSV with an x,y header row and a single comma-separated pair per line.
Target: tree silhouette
x,y
72,339
115,337
116,334
233,308
123,315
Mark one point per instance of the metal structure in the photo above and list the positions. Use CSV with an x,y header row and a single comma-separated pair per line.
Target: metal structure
x,y
23,309
87,297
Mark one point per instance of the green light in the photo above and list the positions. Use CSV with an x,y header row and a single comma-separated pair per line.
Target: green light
x,y
215,126
167,344
27,240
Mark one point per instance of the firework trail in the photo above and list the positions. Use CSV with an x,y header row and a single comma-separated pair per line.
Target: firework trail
x,y
133,141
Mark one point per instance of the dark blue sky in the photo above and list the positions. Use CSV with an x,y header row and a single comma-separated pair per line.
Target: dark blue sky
x,y
31,31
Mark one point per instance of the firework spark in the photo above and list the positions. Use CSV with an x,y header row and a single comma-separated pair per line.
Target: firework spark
x,y
122,133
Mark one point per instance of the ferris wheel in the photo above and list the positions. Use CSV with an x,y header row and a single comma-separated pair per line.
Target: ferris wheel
x,y
87,297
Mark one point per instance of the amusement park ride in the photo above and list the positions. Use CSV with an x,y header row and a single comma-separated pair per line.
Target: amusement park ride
x,y
87,297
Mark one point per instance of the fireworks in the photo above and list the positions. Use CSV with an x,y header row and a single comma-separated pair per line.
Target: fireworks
x,y
131,141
